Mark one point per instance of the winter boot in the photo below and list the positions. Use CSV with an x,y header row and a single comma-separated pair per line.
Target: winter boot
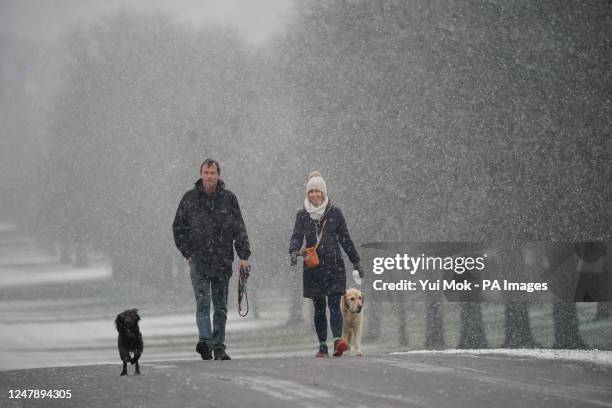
x,y
205,350
220,354
340,347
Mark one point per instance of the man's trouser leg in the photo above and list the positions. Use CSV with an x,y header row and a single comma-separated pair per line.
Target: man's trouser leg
x,y
202,290
219,288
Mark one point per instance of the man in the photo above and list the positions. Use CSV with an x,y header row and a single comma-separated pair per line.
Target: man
x,y
207,227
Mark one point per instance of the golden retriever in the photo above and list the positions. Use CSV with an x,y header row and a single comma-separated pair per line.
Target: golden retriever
x,y
352,320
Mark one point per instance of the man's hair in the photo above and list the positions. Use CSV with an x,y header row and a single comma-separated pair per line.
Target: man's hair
x,y
210,162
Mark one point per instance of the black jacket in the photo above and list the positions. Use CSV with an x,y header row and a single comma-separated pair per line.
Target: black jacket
x,y
330,276
207,228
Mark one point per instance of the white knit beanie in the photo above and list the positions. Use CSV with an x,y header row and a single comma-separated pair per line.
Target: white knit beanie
x,y
316,182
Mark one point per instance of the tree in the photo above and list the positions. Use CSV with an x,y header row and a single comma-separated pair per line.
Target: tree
x,y
517,328
143,97
567,331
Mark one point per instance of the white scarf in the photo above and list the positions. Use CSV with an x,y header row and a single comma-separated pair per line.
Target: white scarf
x,y
315,212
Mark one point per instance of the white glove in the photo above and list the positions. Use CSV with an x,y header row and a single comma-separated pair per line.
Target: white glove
x,y
356,277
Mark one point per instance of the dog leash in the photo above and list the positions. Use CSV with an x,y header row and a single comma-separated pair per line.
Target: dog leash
x,y
242,290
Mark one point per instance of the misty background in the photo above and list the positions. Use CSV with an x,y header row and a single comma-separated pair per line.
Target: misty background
x,y
430,121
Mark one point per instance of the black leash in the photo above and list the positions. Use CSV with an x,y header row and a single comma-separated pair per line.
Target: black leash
x,y
242,290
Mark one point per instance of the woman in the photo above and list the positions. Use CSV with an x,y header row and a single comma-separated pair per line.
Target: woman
x,y
322,225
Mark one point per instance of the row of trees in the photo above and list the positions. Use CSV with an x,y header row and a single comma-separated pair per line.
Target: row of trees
x,y
28,83
464,121
458,121
144,101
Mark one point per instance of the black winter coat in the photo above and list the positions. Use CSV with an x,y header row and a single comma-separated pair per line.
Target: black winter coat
x,y
207,228
330,276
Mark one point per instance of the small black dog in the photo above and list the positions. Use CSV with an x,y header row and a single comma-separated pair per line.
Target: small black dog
x,y
130,338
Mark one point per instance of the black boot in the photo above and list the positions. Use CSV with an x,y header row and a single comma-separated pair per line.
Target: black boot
x,y
220,354
205,350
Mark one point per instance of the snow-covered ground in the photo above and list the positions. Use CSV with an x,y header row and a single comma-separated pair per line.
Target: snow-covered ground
x,y
30,264
591,356
73,330
6,226
12,276
84,342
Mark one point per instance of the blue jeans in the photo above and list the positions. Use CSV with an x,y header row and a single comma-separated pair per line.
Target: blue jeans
x,y
205,288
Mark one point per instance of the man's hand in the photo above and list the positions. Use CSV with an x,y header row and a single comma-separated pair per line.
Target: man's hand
x,y
244,265
294,255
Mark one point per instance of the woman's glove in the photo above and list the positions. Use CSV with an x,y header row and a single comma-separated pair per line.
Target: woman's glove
x,y
357,268
294,255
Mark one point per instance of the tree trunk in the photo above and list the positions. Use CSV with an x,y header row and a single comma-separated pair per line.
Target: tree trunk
x,y
402,327
567,333
604,310
81,257
517,328
434,324
472,329
375,313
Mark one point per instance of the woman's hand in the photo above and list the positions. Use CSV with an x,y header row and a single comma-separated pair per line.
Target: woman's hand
x,y
357,267
294,255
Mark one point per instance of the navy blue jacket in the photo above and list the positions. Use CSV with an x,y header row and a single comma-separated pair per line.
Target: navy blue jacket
x,y
330,276
207,227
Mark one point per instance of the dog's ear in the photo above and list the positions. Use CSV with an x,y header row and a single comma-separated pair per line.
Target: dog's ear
x,y
362,298
136,314
344,302
119,321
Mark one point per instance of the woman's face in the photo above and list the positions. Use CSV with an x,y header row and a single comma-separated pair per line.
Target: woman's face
x,y
315,197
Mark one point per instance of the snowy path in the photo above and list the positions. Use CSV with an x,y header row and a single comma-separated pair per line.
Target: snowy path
x,y
409,380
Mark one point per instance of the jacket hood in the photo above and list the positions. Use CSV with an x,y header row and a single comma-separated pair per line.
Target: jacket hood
x,y
199,185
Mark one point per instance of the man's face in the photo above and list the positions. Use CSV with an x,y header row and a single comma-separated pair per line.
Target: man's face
x,y
210,177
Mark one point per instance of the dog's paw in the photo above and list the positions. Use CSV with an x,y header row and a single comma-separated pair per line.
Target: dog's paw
x,y
137,373
359,353
124,373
